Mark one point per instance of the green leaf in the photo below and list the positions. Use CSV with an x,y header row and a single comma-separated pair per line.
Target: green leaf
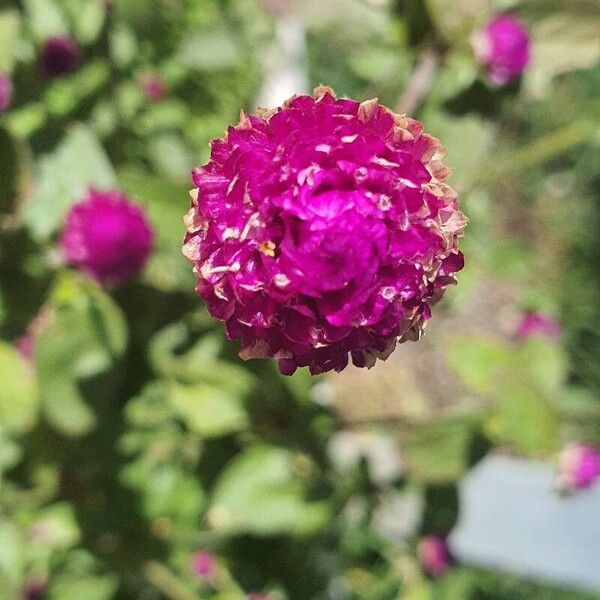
x,y
524,418
478,361
64,176
84,340
166,203
45,18
545,364
57,527
210,50
87,17
208,410
259,492
456,19
18,399
10,29
85,587
437,452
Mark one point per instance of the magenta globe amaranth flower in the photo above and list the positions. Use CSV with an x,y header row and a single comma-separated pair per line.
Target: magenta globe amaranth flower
x,y
59,56
537,324
578,467
502,46
6,89
153,87
323,229
434,555
204,565
108,237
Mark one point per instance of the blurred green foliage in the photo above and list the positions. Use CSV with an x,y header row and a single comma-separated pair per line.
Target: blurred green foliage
x,y
135,437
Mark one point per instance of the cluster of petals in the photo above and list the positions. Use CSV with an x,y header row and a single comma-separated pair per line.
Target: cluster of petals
x,y
323,230
503,47
107,236
578,467
434,555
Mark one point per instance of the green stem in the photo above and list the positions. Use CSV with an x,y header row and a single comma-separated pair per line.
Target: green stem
x,y
164,580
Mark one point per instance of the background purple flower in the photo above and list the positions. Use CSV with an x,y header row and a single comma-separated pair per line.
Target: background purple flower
x,y
108,237
434,554
534,323
321,229
578,467
59,56
204,565
6,89
153,87
503,47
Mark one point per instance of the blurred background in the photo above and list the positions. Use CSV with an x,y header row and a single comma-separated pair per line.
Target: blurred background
x,y
140,458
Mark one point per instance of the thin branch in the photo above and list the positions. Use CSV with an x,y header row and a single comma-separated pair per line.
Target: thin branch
x,y
420,82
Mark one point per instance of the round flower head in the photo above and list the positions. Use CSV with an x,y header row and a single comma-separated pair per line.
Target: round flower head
x,y
59,56
153,87
434,555
5,92
107,236
534,323
578,468
503,47
204,565
323,229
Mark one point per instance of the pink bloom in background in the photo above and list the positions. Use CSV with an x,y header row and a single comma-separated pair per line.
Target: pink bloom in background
x,y
153,87
503,47
59,56
204,565
323,229
578,468
26,346
5,92
35,589
434,554
108,237
534,323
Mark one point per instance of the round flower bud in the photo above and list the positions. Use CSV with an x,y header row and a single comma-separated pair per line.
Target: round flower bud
x,y
108,237
204,565
434,554
153,87
59,56
6,89
502,46
323,229
35,589
537,324
578,468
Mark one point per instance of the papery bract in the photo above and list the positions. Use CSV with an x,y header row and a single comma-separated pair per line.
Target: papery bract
x,y
503,47
323,229
578,467
107,236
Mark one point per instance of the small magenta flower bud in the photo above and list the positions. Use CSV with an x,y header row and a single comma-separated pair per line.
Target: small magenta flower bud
x,y
59,56
537,324
578,468
323,230
108,237
503,47
434,554
34,589
6,89
153,87
204,565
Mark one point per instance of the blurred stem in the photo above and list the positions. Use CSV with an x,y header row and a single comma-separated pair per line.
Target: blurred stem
x,y
538,152
169,585
419,83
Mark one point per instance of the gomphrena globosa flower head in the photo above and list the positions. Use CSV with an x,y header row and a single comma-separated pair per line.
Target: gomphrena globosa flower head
x,y
6,89
537,324
153,87
502,46
59,56
323,230
204,565
578,467
107,236
434,555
